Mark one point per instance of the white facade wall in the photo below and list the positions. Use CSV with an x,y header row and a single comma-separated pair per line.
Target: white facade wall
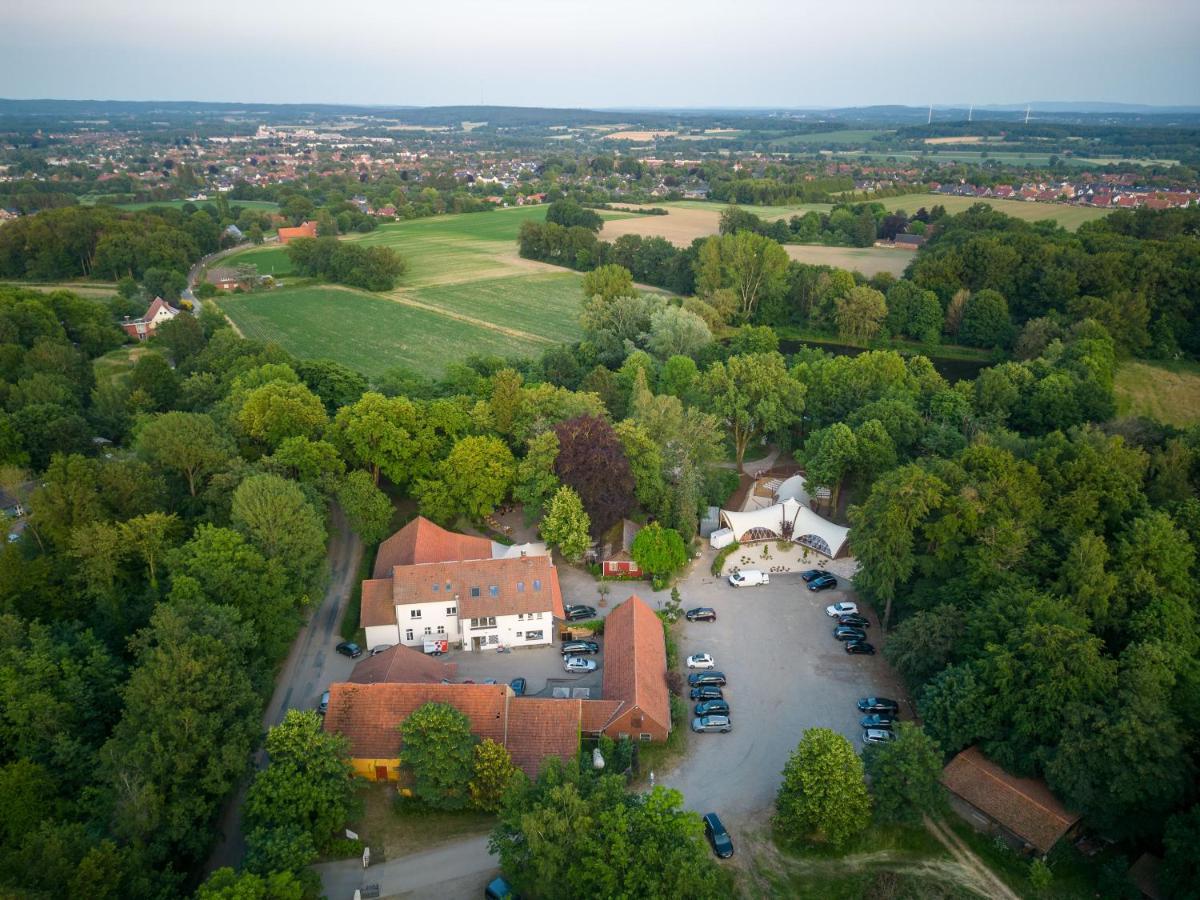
x,y
382,635
418,621
521,630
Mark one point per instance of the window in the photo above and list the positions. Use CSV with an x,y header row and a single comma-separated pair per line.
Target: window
x,y
537,584
532,635
441,629
414,614
645,738
539,615
520,617
428,630
518,634
520,587
485,622
447,587
493,639
435,588
452,610
494,591
408,636
474,592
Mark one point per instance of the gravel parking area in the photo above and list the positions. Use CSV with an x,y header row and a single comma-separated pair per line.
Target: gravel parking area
x,y
786,674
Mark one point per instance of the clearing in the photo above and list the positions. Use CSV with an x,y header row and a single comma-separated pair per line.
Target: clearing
x,y
1168,391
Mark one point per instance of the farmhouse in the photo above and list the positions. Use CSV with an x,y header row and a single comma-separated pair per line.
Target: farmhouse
x,y
158,312
1021,810
433,583
384,690
305,230
223,279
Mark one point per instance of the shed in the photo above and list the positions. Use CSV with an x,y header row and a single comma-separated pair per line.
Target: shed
x,y
618,550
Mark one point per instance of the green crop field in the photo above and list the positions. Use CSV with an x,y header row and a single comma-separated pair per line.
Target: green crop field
x,y
543,305
271,260
857,137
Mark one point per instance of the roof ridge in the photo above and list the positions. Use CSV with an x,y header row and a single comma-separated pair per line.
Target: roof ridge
x,y
977,762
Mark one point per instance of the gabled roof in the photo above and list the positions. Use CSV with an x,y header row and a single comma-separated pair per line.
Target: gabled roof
x,y
1024,806
483,587
421,541
402,664
635,660
377,607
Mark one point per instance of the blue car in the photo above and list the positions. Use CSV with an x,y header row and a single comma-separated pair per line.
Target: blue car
x,y
518,686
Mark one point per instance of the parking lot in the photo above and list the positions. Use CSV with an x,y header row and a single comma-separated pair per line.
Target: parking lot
x,y
786,674
541,667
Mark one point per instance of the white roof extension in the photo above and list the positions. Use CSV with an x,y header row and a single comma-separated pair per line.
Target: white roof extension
x,y
788,520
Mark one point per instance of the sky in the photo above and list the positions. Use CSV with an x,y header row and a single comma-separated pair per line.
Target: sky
x,y
604,53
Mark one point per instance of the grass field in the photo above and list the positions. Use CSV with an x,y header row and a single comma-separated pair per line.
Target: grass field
x,y
856,137
93,289
1166,391
271,260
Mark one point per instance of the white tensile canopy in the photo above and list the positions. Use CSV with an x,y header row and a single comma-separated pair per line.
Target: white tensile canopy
x,y
789,520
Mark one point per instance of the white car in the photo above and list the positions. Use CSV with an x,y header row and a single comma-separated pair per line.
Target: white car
x,y
841,609
749,578
578,664
700,661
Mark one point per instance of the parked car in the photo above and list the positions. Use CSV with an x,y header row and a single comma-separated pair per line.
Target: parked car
x,y
323,706
697,678
706,692
824,583
854,619
701,661
711,723
712,708
701,614
878,735
860,647
574,648
350,649
878,705
578,664
376,650
749,578
722,843
814,574
877,720
518,686
848,633
844,608
498,889
578,613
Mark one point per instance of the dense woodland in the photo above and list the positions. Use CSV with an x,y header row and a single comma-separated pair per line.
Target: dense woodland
x,y
1036,558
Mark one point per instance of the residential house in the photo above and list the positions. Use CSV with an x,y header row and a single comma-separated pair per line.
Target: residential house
x,y
158,312
305,230
618,552
223,279
635,676
909,241
1021,810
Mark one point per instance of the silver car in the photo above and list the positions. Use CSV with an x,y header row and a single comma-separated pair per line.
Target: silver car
x,y
578,664
711,723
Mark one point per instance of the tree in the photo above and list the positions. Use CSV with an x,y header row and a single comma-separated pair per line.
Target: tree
x,y
494,773
151,536
337,385
381,433
566,524
276,516
182,337
473,480
536,482
823,796
829,454
226,884
753,266
754,395
367,508
438,748
188,443
904,775
277,411
592,462
859,314
985,321
1181,868
311,462
677,332
659,551
608,283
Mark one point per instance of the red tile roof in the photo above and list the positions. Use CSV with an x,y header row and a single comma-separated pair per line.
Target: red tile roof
x,y
635,660
378,607
522,585
402,664
1024,806
305,230
596,714
531,728
421,541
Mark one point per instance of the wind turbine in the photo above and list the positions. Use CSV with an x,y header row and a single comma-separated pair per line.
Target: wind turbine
x,y
1027,114
930,119
971,112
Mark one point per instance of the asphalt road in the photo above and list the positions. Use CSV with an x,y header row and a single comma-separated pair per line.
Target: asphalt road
x,y
460,869
311,665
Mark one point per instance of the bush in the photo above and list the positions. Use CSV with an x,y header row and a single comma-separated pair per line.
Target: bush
x,y
344,848
722,555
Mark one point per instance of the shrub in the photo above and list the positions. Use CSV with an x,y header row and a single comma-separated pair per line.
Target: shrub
x,y
722,555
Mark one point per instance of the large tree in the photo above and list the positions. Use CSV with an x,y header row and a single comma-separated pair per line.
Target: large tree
x,y
904,775
566,524
367,508
753,266
860,314
592,462
437,747
277,411
276,516
188,443
473,480
823,796
754,395
659,551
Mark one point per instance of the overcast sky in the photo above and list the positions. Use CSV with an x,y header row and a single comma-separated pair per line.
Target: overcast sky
x,y
604,52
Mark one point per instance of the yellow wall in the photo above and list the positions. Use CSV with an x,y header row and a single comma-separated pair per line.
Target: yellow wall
x,y
366,768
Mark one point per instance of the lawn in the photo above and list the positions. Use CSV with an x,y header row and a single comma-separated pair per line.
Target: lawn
x,y
271,260
391,834
118,363
372,333
1166,391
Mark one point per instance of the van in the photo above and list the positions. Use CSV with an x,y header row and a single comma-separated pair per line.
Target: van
x,y
748,578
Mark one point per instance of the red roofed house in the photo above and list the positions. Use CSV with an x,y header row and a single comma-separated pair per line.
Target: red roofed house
x,y
618,557
305,230
635,674
159,311
434,584
1022,810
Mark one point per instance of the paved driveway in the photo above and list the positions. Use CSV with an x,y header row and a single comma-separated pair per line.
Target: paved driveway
x,y
786,673
541,667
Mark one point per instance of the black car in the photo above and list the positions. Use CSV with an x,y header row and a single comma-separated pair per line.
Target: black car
x,y
878,705
518,686
577,613
861,647
722,843
712,708
814,574
698,678
854,620
701,614
846,633
877,720
706,692
824,583
350,649
574,648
